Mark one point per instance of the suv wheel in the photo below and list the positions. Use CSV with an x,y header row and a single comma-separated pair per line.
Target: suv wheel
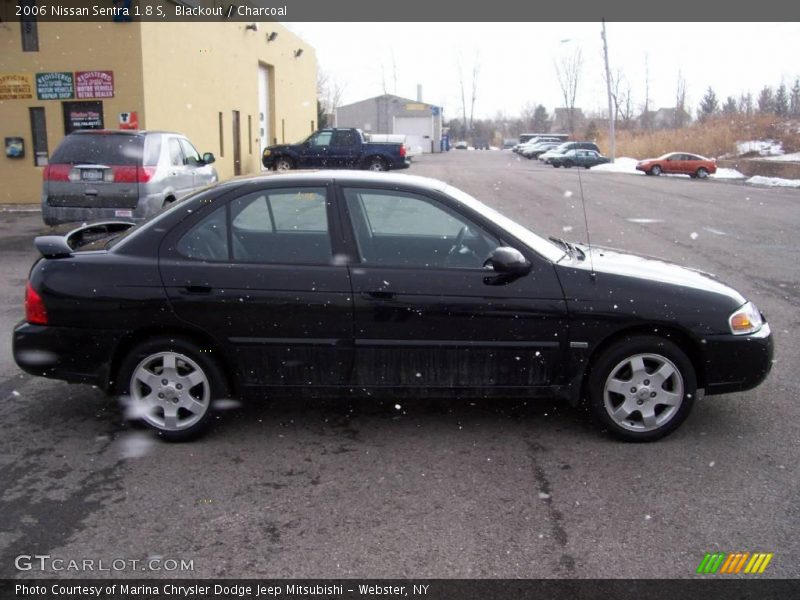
x,y
283,164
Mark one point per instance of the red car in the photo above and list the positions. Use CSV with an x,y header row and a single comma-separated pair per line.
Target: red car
x,y
684,163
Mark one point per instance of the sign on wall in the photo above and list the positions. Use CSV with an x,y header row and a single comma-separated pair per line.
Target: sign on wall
x,y
82,115
129,120
94,84
54,86
15,86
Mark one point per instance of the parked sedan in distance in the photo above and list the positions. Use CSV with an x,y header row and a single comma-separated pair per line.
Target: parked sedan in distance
x,y
122,175
578,158
532,152
363,283
693,165
565,147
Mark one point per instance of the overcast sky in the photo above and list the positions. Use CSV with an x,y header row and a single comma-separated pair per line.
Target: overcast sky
x,y
516,60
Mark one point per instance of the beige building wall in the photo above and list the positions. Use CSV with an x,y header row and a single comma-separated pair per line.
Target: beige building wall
x,y
63,47
176,76
212,68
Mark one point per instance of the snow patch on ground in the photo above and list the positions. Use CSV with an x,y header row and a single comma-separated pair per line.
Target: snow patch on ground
x,y
763,147
624,164
773,181
727,174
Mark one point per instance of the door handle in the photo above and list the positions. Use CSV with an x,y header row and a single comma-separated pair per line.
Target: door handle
x,y
379,295
197,289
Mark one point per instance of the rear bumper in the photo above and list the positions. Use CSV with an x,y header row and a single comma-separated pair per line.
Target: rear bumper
x,y
735,363
73,355
56,215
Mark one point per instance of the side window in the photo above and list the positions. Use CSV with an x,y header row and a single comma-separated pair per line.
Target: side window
x,y
401,229
344,138
208,240
190,153
281,226
322,139
175,154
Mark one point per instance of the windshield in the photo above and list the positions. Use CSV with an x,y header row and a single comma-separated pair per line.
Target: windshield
x,y
526,236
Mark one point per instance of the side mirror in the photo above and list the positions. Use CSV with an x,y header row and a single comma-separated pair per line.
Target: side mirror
x,y
508,261
208,158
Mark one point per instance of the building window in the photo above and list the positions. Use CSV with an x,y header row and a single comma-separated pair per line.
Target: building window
x,y
221,145
39,136
29,29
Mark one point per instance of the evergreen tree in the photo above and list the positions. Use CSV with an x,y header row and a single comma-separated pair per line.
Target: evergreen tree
x,y
541,120
766,101
794,99
746,104
730,108
591,131
708,105
781,101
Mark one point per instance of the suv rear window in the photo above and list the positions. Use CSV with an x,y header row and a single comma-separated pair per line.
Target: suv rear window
x,y
100,148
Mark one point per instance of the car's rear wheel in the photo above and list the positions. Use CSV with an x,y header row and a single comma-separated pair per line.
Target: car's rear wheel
x,y
377,164
702,173
284,164
169,385
642,388
655,170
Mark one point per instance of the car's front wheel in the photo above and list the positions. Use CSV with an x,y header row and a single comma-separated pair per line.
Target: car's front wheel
x,y
170,386
283,164
642,388
656,170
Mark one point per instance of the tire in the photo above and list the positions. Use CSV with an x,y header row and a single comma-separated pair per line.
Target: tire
x,y
702,173
283,163
556,165
568,164
629,408
181,409
377,164
655,170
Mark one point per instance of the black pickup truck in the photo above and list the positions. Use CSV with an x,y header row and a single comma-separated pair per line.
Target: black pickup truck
x,y
336,149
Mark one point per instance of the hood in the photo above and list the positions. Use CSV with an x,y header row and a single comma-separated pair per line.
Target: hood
x,y
607,260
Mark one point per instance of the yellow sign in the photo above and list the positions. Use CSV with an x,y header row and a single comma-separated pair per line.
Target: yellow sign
x,y
16,86
416,106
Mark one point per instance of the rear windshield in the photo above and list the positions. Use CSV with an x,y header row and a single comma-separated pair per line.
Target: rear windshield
x,y
100,148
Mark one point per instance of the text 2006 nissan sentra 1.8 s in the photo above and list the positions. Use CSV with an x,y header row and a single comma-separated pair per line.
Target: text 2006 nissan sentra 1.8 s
x,y
352,282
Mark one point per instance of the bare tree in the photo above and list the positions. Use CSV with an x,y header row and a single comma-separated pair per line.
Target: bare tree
x,y
568,71
681,116
475,71
329,96
468,125
647,117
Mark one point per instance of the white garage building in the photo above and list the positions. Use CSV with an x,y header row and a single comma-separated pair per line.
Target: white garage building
x,y
421,123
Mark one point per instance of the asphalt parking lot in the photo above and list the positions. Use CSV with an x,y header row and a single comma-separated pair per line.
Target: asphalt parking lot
x,y
438,489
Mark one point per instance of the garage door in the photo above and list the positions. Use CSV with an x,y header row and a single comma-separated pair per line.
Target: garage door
x,y
418,132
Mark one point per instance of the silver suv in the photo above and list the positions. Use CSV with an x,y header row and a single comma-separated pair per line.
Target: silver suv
x,y
120,175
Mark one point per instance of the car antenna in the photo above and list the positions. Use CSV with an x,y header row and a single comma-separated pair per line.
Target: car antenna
x,y
593,275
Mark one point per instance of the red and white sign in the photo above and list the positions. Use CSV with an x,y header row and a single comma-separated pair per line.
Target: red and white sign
x,y
129,120
94,84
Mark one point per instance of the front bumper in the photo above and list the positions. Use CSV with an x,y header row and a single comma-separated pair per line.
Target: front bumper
x,y
66,353
735,363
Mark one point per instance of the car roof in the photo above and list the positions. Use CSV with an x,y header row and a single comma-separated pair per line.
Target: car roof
x,y
340,176
131,132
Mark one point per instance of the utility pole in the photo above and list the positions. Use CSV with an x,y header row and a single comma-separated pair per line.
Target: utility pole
x,y
611,133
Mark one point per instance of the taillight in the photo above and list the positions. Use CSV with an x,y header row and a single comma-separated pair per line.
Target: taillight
x,y
145,174
133,174
35,312
402,151
56,172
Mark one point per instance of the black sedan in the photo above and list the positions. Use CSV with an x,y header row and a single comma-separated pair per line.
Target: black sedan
x,y
359,283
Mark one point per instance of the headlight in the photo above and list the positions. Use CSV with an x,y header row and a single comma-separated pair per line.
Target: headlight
x,y
745,320
267,152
